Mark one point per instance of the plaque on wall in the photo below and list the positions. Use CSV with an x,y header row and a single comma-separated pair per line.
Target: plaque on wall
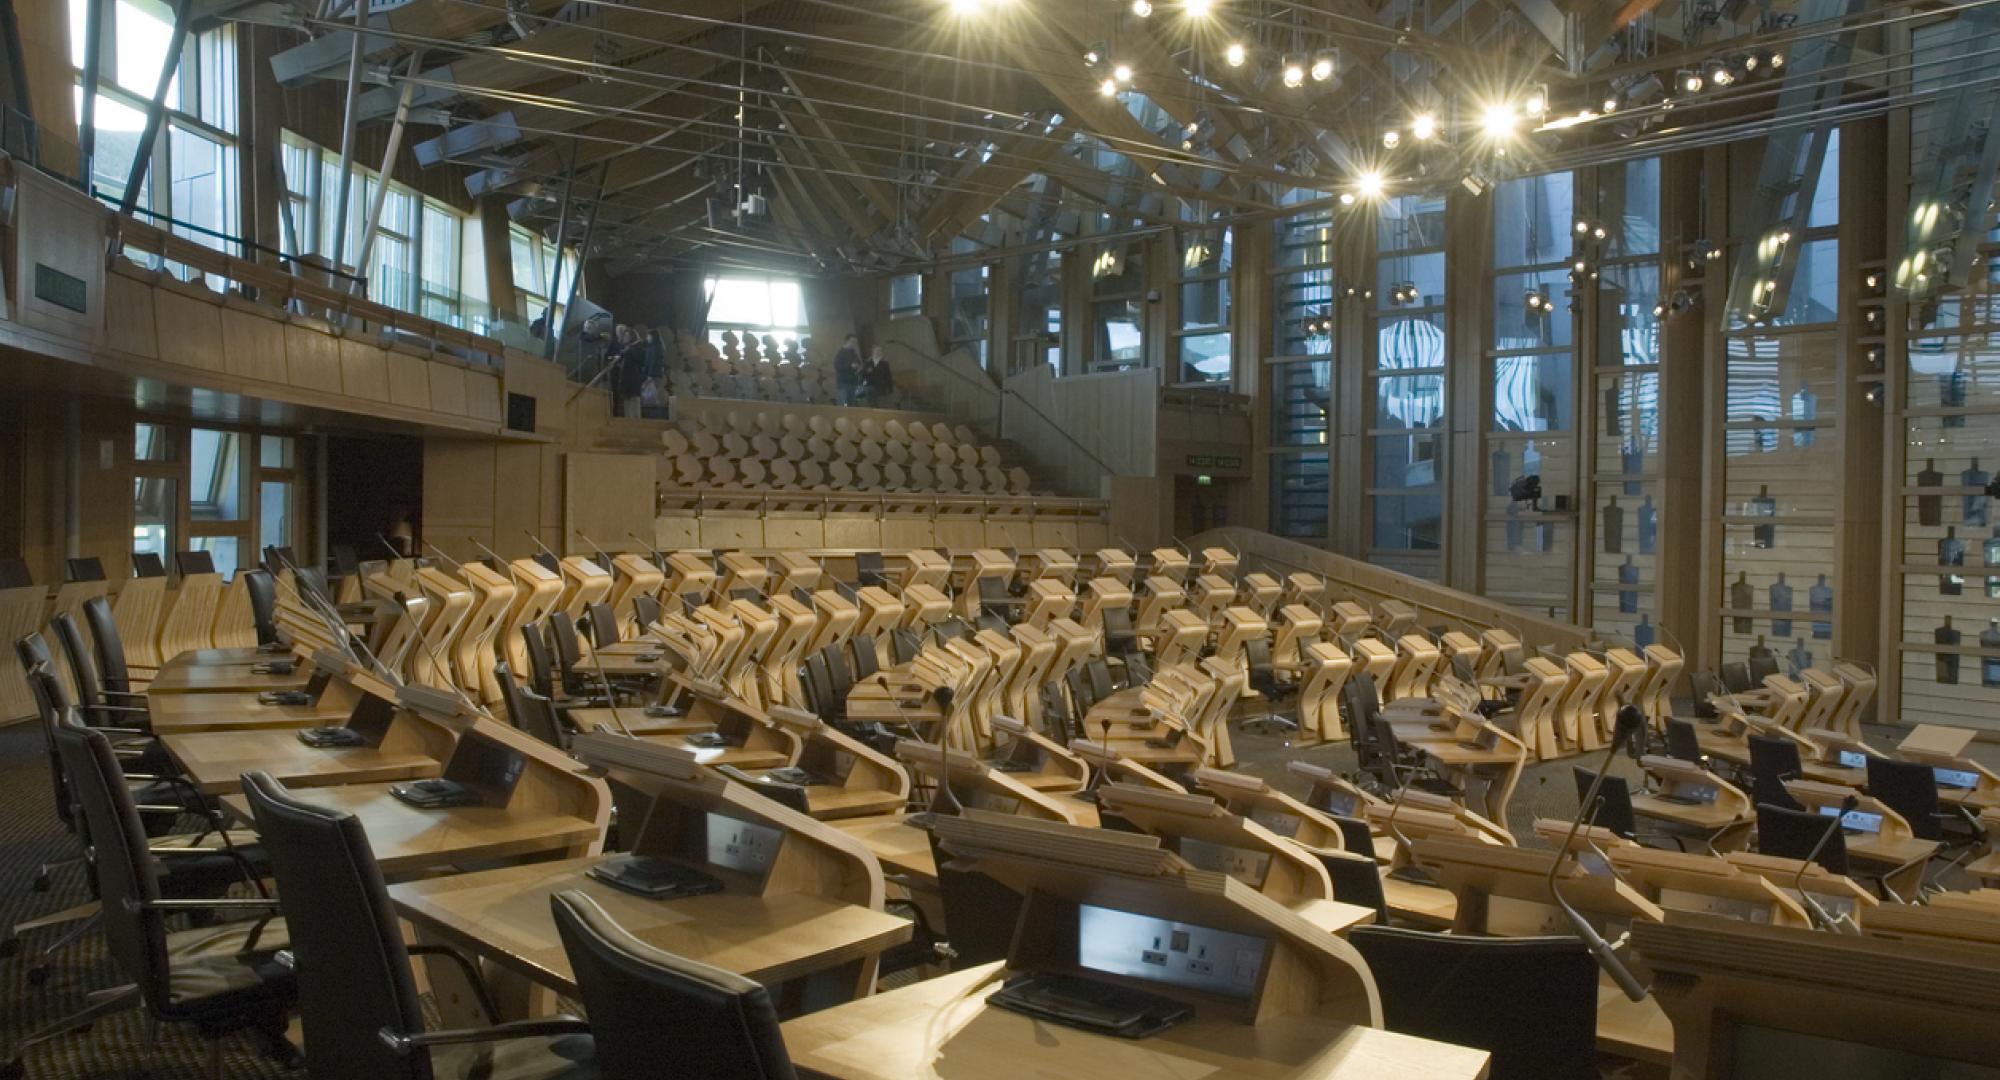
x,y
1975,505
1930,508
1820,599
1764,506
1947,663
1741,597
1649,526
1781,600
1613,524
1951,552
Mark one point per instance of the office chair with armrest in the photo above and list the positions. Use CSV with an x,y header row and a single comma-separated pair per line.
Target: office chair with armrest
x,y
1264,680
1735,677
358,998
529,711
1910,789
1683,742
567,651
1399,766
1101,684
100,707
645,611
1530,1002
109,647
1355,835
602,624
1794,834
1614,803
1359,706
870,570
1703,685
904,645
1120,639
1081,695
724,1026
866,661
1759,665
221,979
1774,760
979,912
541,669
263,593
1357,879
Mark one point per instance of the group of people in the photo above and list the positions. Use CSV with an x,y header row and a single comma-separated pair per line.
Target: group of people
x,y
859,380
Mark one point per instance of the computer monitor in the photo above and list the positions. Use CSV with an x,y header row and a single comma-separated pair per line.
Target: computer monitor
x,y
1169,952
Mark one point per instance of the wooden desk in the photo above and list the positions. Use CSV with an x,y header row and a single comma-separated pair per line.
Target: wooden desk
x,y
187,713
503,915
903,850
407,839
183,675
941,1028
636,721
216,760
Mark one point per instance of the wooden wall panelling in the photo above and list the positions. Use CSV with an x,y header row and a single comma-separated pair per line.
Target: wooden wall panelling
x,y
482,396
312,359
190,330
137,610
20,615
465,484
606,497
253,345
235,625
364,371
128,316
190,621
447,391
409,382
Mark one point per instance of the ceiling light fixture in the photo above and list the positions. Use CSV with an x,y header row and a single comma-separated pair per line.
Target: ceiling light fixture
x,y
1391,139
1142,8
1498,120
1235,54
1423,126
1294,72
1322,66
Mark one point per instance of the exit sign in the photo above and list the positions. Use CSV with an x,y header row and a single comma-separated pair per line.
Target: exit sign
x,y
1214,461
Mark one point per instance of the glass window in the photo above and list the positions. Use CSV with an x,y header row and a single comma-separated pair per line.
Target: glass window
x,y
1408,393
1532,392
1121,337
224,551
1299,504
1533,219
906,295
968,311
153,510
1304,312
1301,399
215,474
274,513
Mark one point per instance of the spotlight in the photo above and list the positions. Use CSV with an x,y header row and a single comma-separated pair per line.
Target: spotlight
x,y
1197,9
1720,75
1391,139
1347,198
1609,105
1142,8
1369,184
1579,266
1322,65
1750,62
1294,71
1108,87
1498,121
1582,226
1666,104
1599,232
1537,104
965,7
1777,60
1094,55
1691,81
1423,126
1659,308
1122,72
1873,280
1235,54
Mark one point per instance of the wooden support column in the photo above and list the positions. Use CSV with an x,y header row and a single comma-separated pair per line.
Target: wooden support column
x,y
1868,520
1348,470
491,221
1468,242
1685,578
1250,340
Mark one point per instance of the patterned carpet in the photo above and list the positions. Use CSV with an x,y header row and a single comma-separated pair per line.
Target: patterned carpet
x,y
115,1047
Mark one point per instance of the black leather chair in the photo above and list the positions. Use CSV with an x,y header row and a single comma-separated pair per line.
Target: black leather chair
x,y
1735,677
529,711
869,570
904,644
645,611
567,651
723,1026
1761,664
1774,760
100,707
1263,678
541,667
1530,1002
602,625
979,912
1614,803
1794,834
1099,674
1684,742
220,979
110,648
263,591
362,1013
1357,879
1910,789
1355,835
1120,639
1081,694
866,662
1702,686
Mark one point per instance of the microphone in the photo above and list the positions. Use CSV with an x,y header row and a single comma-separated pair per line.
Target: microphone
x,y
395,553
1630,720
1819,914
594,547
610,698
546,550
439,552
499,564
443,669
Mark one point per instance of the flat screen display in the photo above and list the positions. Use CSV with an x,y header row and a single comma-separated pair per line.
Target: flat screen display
x,y
1166,951
1856,820
1853,759
1956,779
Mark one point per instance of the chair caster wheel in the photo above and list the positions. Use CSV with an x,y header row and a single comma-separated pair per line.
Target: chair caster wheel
x,y
39,976
42,882
10,948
